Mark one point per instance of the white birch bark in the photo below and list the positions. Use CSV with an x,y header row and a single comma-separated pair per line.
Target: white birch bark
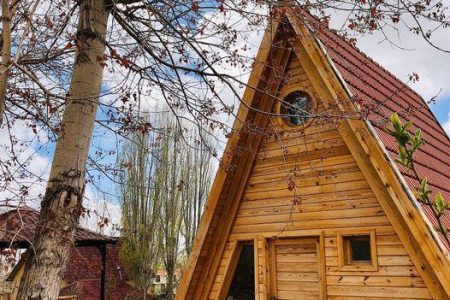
x,y
60,208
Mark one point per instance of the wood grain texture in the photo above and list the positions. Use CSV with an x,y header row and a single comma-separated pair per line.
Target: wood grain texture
x,y
297,268
331,195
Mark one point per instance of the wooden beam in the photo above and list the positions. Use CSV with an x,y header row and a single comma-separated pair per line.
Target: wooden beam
x,y
230,268
102,248
273,270
322,266
256,266
265,247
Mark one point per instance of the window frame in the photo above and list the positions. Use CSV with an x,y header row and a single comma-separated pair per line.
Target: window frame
x,y
346,264
286,91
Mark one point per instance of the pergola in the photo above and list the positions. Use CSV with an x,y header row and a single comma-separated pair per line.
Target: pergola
x,y
17,227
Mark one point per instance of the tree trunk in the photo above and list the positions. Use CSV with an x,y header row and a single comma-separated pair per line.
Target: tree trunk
x,y
170,269
60,208
7,14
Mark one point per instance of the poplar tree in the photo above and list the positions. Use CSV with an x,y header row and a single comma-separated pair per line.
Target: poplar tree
x,y
197,175
140,207
169,185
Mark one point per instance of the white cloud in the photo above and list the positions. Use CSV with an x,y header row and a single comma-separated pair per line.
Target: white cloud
x,y
100,208
431,65
37,166
27,166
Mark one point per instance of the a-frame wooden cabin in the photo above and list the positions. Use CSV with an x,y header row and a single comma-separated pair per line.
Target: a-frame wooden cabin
x,y
317,208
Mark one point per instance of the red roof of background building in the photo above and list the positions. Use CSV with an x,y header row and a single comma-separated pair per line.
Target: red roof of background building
x,y
83,275
380,94
86,263
84,268
18,226
90,290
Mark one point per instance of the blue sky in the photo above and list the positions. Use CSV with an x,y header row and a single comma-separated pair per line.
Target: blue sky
x,y
441,109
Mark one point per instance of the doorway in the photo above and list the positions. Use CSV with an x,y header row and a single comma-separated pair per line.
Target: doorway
x,y
243,283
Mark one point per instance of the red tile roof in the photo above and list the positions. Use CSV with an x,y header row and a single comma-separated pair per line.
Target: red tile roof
x,y
83,275
86,263
18,226
90,290
84,268
380,94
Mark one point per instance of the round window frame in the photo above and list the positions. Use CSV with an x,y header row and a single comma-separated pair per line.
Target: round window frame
x,y
283,121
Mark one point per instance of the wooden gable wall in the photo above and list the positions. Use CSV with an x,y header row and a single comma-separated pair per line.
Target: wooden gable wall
x,y
306,183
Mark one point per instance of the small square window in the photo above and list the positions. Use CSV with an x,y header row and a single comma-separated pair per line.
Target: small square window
x,y
357,251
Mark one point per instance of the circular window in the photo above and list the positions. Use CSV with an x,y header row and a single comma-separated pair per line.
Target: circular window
x,y
296,108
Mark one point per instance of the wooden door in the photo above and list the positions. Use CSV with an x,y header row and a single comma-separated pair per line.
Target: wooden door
x,y
296,269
